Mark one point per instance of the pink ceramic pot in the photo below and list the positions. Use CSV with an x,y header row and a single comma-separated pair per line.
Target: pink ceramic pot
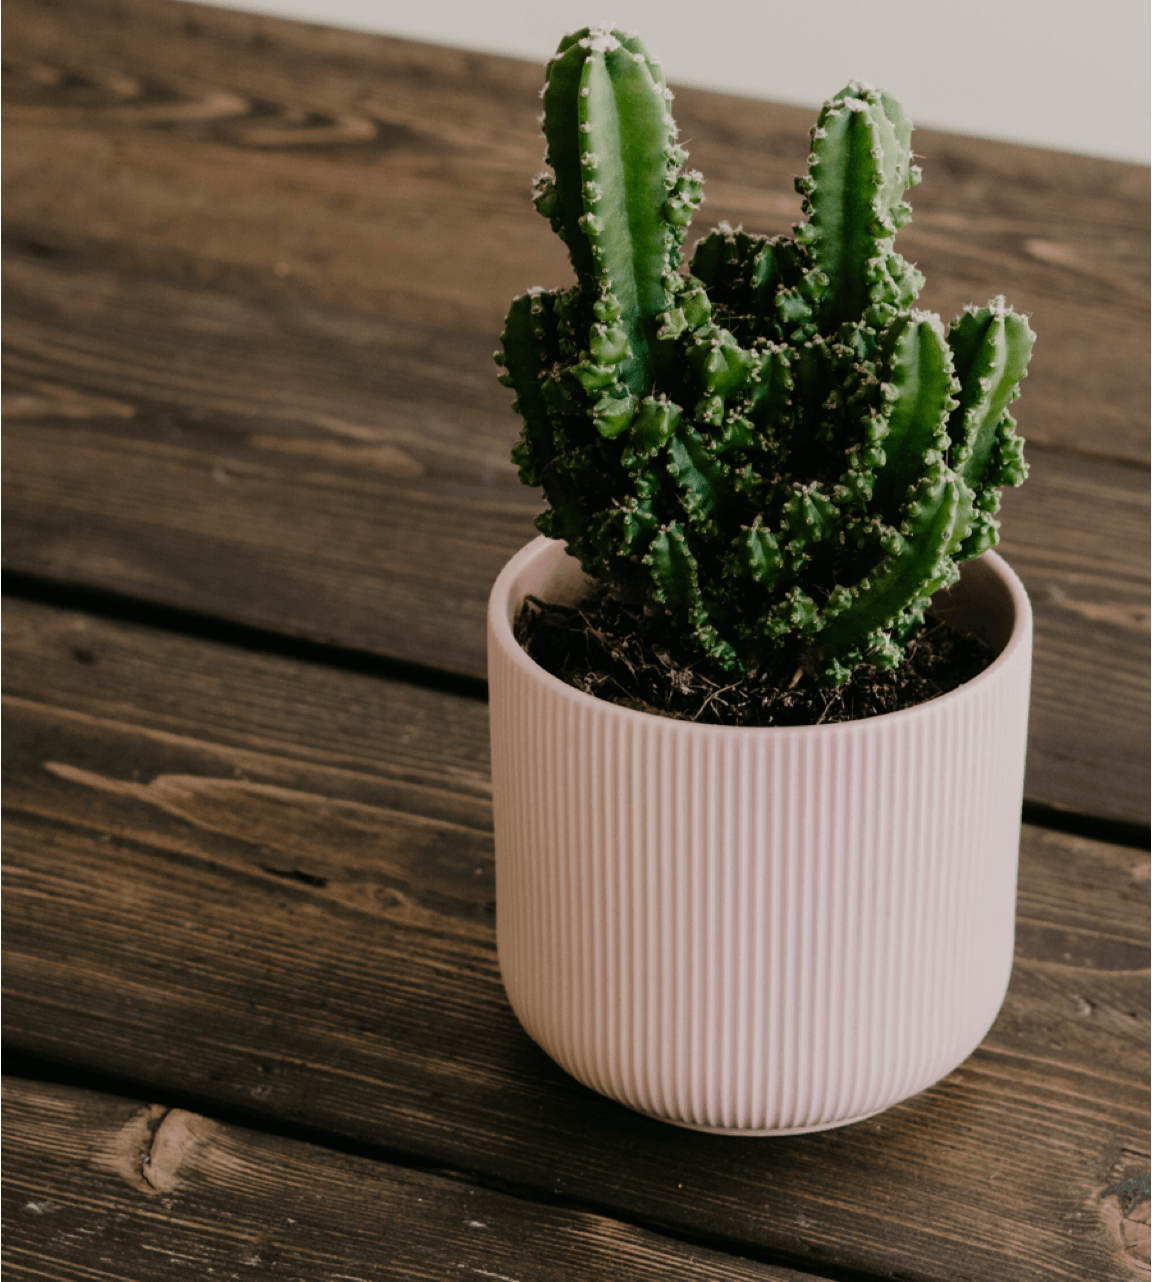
x,y
757,931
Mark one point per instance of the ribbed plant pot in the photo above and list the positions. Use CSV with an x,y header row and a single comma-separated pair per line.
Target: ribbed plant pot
x,y
757,931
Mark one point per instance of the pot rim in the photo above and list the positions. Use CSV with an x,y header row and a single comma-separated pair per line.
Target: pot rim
x,y
500,630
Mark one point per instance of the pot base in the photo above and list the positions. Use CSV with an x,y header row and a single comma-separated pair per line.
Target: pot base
x,y
737,1131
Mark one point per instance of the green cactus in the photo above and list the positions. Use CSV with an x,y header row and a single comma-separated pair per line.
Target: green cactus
x,y
774,450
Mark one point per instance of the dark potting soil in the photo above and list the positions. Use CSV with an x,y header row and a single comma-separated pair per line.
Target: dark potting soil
x,y
602,648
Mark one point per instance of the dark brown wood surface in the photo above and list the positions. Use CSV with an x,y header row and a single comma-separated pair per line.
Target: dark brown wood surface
x,y
138,1190
255,272
263,886
257,457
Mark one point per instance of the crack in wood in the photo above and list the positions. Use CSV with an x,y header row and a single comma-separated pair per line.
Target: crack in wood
x,y
295,874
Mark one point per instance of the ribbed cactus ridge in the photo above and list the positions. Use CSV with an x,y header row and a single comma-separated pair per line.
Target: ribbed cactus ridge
x,y
619,202
776,450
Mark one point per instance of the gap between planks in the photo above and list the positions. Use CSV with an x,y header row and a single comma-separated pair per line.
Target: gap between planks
x,y
117,607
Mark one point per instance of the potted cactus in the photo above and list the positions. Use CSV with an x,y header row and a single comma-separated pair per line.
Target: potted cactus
x,y
755,929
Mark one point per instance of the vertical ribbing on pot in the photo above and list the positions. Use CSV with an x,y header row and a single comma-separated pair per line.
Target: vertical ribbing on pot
x,y
746,930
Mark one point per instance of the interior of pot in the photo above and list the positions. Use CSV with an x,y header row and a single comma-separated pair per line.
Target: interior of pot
x,y
552,575
983,602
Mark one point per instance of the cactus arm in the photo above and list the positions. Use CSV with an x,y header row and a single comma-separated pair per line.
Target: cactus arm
x,y
812,367
629,524
916,562
902,130
991,346
894,136
709,261
700,476
919,393
859,168
676,576
651,428
770,390
625,138
983,534
566,515
528,348
674,569
766,274
839,233
756,553
560,199
721,365
810,517
1007,467
896,140
743,273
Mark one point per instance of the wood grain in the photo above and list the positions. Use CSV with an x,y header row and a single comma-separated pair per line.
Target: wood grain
x,y
300,470
95,1182
258,885
1077,534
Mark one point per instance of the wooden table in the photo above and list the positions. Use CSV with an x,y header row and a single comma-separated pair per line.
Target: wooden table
x,y
256,490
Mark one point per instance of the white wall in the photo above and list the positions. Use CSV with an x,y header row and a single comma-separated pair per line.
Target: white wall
x,y
1069,74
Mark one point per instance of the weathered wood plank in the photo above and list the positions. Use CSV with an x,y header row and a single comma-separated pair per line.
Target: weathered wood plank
x,y
248,463
269,887
308,472
96,1182
1077,533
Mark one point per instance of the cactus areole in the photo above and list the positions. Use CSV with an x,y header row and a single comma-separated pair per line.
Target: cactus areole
x,y
776,451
